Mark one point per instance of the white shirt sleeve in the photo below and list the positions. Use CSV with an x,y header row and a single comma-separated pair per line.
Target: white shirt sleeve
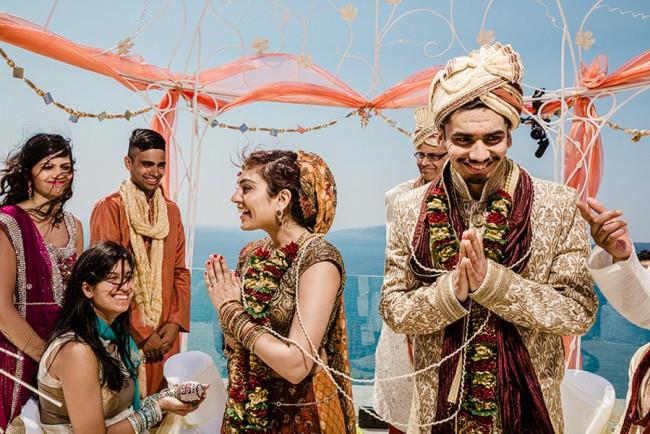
x,y
625,285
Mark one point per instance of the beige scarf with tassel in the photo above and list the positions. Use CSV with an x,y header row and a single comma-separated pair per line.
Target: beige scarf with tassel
x,y
148,267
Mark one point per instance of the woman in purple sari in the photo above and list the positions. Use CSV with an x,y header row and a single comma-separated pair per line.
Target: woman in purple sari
x,y
39,243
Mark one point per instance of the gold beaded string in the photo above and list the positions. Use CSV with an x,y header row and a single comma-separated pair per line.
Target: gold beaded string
x,y
18,72
637,134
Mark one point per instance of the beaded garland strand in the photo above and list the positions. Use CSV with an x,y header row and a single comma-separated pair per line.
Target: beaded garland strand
x,y
248,406
479,400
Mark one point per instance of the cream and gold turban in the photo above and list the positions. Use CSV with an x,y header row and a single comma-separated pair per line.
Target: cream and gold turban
x,y
492,74
425,128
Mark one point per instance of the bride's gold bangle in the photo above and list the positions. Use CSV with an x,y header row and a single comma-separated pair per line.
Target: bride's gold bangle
x,y
227,302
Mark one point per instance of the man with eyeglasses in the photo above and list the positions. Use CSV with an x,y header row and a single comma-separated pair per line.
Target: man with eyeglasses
x,y
430,163
430,155
392,399
485,266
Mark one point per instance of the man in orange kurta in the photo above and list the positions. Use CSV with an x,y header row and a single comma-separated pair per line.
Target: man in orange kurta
x,y
108,221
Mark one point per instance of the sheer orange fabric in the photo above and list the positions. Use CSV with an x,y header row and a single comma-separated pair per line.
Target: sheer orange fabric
x,y
285,78
270,77
583,154
280,77
583,151
583,160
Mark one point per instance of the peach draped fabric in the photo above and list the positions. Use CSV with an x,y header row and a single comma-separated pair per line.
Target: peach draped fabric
x,y
285,78
270,77
583,153
583,150
130,71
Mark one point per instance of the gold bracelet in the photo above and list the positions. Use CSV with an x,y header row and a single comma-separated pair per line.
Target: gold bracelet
x,y
226,310
233,316
245,331
252,335
230,301
228,313
237,324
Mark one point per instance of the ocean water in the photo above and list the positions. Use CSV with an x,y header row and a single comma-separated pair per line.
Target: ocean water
x,y
606,348
363,254
362,249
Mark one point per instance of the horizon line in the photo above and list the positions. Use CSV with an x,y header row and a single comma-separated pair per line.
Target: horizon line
x,y
334,230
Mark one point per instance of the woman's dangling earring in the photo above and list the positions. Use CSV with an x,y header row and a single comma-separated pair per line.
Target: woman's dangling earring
x,y
279,216
30,192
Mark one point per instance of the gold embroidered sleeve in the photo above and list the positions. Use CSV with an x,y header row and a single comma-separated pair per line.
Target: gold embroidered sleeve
x,y
407,305
561,300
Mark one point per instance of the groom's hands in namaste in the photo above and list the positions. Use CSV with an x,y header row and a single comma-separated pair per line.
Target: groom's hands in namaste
x,y
460,277
472,265
476,264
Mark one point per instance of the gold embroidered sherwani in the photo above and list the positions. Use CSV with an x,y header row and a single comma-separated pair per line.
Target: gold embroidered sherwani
x,y
553,295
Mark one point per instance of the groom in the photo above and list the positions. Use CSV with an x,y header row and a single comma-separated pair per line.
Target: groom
x,y
485,266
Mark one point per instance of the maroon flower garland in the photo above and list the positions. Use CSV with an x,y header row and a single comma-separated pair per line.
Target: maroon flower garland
x,y
479,401
248,407
497,211
444,243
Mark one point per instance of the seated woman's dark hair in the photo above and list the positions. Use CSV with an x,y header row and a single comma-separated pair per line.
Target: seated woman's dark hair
x,y
17,174
281,171
78,314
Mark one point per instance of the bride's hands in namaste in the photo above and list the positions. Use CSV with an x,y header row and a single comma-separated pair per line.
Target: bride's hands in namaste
x,y
223,285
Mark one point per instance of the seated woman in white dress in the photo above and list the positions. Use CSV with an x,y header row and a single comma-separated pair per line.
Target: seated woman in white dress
x,y
90,364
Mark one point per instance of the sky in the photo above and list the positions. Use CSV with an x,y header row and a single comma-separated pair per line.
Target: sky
x,y
366,161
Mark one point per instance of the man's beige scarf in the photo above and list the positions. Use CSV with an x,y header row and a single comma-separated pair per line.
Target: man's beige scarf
x,y
148,267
